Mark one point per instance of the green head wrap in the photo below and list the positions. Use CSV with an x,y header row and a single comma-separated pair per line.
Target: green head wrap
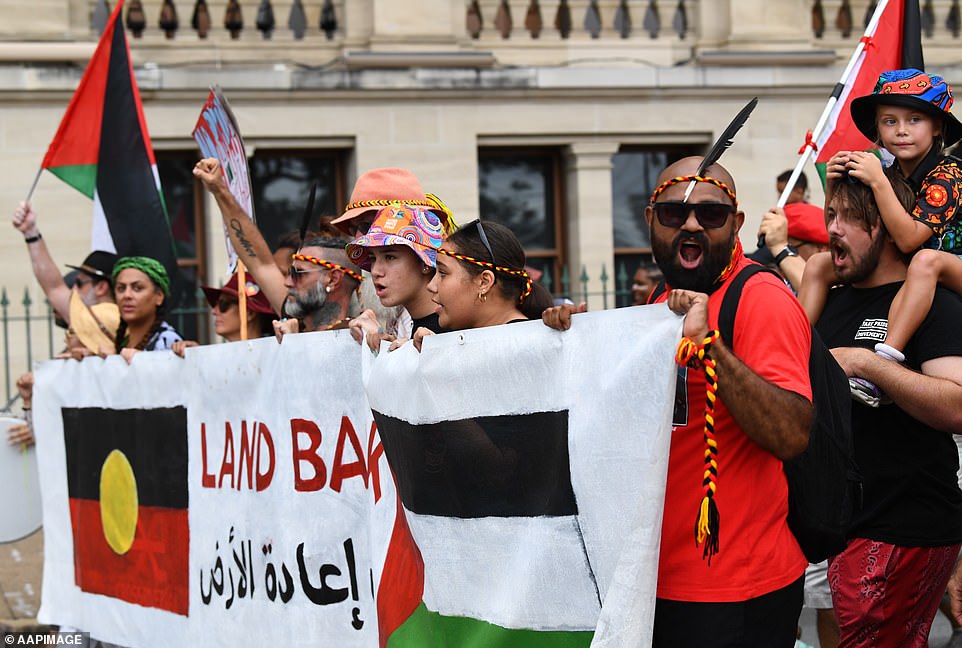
x,y
150,267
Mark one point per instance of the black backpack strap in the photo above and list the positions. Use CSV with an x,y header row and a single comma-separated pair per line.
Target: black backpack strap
x,y
726,316
657,292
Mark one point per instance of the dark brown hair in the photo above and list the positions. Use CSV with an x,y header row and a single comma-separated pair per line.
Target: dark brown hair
x,y
507,252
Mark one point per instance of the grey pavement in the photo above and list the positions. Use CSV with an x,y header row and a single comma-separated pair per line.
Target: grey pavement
x,y
941,630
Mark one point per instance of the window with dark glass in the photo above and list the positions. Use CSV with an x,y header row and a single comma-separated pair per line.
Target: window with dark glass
x,y
183,197
521,190
281,181
633,176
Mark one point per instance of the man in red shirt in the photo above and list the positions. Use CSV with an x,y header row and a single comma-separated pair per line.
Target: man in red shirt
x,y
737,581
749,593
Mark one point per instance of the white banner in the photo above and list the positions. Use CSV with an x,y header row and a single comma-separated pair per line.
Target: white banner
x,y
242,496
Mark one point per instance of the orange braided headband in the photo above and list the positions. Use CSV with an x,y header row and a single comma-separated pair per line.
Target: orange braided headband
x,y
698,356
328,265
689,178
448,224
388,203
494,268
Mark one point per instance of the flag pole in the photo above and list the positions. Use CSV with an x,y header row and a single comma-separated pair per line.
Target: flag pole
x,y
242,298
36,179
808,149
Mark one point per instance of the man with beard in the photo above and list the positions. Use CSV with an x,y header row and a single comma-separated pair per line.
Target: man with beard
x,y
740,581
320,283
317,289
887,583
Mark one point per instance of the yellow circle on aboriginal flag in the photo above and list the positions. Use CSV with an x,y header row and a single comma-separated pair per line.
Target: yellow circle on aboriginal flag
x,y
118,502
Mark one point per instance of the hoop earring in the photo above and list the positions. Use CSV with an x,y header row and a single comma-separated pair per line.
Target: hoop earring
x,y
482,296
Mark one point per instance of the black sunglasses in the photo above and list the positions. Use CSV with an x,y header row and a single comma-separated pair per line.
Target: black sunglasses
x,y
482,236
224,303
674,214
362,225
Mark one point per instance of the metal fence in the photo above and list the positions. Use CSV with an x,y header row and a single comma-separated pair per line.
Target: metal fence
x,y
29,333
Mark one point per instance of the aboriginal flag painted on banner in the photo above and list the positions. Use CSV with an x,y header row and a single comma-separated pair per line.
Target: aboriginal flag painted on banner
x,y
102,149
127,484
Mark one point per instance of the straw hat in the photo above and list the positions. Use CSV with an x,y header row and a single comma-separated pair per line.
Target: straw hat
x,y
95,325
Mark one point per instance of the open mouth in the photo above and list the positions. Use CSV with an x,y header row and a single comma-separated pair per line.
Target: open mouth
x,y
379,288
839,253
690,254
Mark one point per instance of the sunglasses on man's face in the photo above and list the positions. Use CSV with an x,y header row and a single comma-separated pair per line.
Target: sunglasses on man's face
x,y
224,304
361,225
674,214
296,273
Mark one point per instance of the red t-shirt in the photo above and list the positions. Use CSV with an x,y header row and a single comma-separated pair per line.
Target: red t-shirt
x,y
757,552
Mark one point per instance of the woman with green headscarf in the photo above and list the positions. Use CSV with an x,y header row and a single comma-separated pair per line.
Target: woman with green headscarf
x,y
141,288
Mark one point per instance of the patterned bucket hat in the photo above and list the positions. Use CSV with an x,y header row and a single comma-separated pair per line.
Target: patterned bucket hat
x,y
910,88
413,226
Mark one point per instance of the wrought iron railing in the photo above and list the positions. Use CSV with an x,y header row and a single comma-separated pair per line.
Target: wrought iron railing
x,y
28,332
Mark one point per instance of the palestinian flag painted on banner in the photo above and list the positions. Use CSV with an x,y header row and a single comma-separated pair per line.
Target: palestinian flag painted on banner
x,y
490,485
127,484
895,44
103,150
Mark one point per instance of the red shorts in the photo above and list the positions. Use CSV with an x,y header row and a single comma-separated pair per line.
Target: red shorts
x,y
886,595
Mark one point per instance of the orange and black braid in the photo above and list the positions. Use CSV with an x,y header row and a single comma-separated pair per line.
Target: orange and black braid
x,y
708,520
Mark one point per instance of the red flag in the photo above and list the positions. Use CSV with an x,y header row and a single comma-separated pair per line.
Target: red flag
x,y
895,43
103,150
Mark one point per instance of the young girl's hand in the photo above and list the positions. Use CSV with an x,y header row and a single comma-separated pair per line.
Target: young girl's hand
x,y
866,167
835,168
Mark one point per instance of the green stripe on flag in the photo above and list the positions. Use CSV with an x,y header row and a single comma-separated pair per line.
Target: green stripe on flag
x,y
82,177
426,628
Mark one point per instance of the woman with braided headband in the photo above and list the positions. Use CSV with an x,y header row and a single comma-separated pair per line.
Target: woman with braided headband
x,y
481,280
141,288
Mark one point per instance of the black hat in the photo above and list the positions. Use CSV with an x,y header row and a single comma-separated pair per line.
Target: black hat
x,y
98,264
909,88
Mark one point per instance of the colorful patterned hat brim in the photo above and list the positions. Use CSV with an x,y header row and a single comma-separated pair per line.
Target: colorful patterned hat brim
x,y
910,89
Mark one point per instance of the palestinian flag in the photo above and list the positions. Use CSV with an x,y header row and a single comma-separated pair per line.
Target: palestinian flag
x,y
127,484
490,504
103,150
895,43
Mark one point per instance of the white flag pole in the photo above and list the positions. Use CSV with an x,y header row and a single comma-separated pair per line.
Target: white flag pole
x,y
808,151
